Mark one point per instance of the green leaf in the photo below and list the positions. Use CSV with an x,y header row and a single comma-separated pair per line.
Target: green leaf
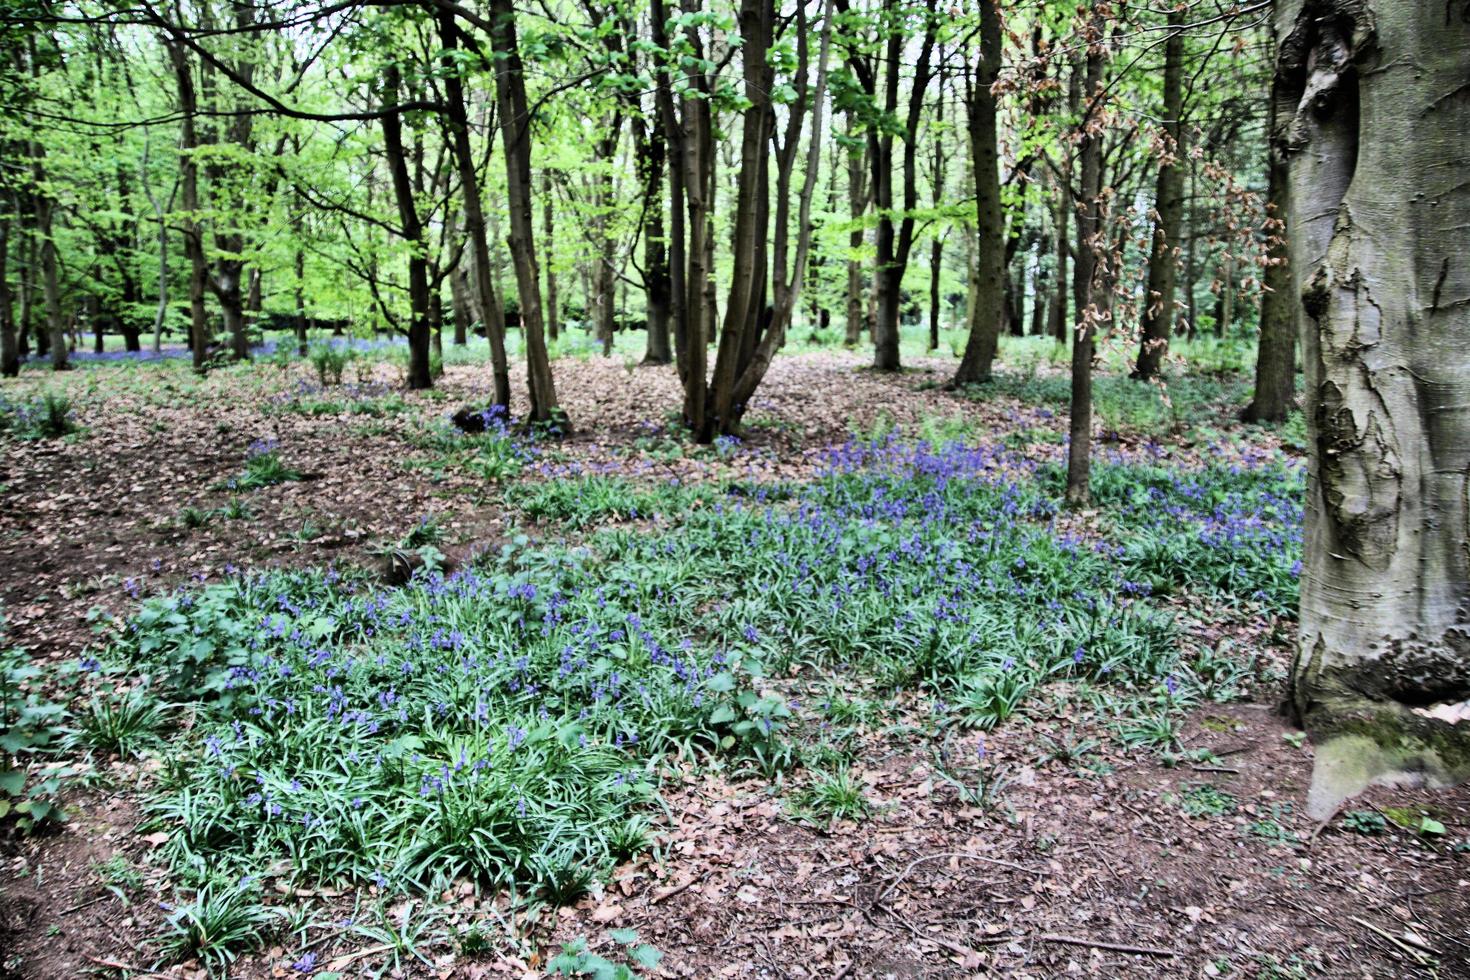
x,y
12,781
722,715
646,955
624,936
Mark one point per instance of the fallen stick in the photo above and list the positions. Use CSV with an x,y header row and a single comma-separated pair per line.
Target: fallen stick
x,y
954,854
119,965
676,890
1114,947
1413,954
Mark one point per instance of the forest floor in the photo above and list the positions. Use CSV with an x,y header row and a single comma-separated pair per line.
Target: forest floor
x,y
1128,862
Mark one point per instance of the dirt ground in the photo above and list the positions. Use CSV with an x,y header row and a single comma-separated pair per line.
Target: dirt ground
x,y
1098,874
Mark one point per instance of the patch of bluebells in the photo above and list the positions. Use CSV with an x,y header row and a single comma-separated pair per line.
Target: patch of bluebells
x,y
1233,528
500,721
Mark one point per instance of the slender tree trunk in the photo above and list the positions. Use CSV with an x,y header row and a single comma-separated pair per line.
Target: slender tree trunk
x,y
1225,305
474,213
650,161
9,352
50,278
1163,261
678,171
857,202
1275,390
515,129
936,244
788,289
548,232
989,307
419,374
744,309
1086,272
1379,207
189,187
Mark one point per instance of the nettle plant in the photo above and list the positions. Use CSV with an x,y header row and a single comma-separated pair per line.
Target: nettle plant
x,y
30,730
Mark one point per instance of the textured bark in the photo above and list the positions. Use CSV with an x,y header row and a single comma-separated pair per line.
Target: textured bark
x,y
1157,322
1085,274
936,244
515,130
651,156
989,306
1374,111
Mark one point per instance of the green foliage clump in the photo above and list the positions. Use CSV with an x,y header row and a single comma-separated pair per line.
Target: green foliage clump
x,y
329,361
264,467
30,728
48,417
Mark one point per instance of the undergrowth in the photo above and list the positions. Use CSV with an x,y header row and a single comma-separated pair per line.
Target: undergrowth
x,y
508,724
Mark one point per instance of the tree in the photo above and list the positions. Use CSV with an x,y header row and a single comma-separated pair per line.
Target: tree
x,y
1377,158
988,309
1275,388
515,130
474,213
1163,261
1087,270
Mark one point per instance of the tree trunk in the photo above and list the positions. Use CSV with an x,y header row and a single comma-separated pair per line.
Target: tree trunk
x,y
989,306
474,212
9,352
787,287
1275,391
1225,306
411,225
650,162
936,244
857,202
50,279
1086,272
1157,323
189,188
678,170
1375,110
515,130
548,232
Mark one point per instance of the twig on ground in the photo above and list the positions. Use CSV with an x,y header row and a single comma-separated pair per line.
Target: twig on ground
x,y
1114,947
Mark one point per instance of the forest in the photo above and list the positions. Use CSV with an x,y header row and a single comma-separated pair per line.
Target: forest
x,y
775,488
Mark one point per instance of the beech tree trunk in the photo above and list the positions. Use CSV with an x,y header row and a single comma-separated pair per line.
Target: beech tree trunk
x,y
1374,112
1157,322
989,306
